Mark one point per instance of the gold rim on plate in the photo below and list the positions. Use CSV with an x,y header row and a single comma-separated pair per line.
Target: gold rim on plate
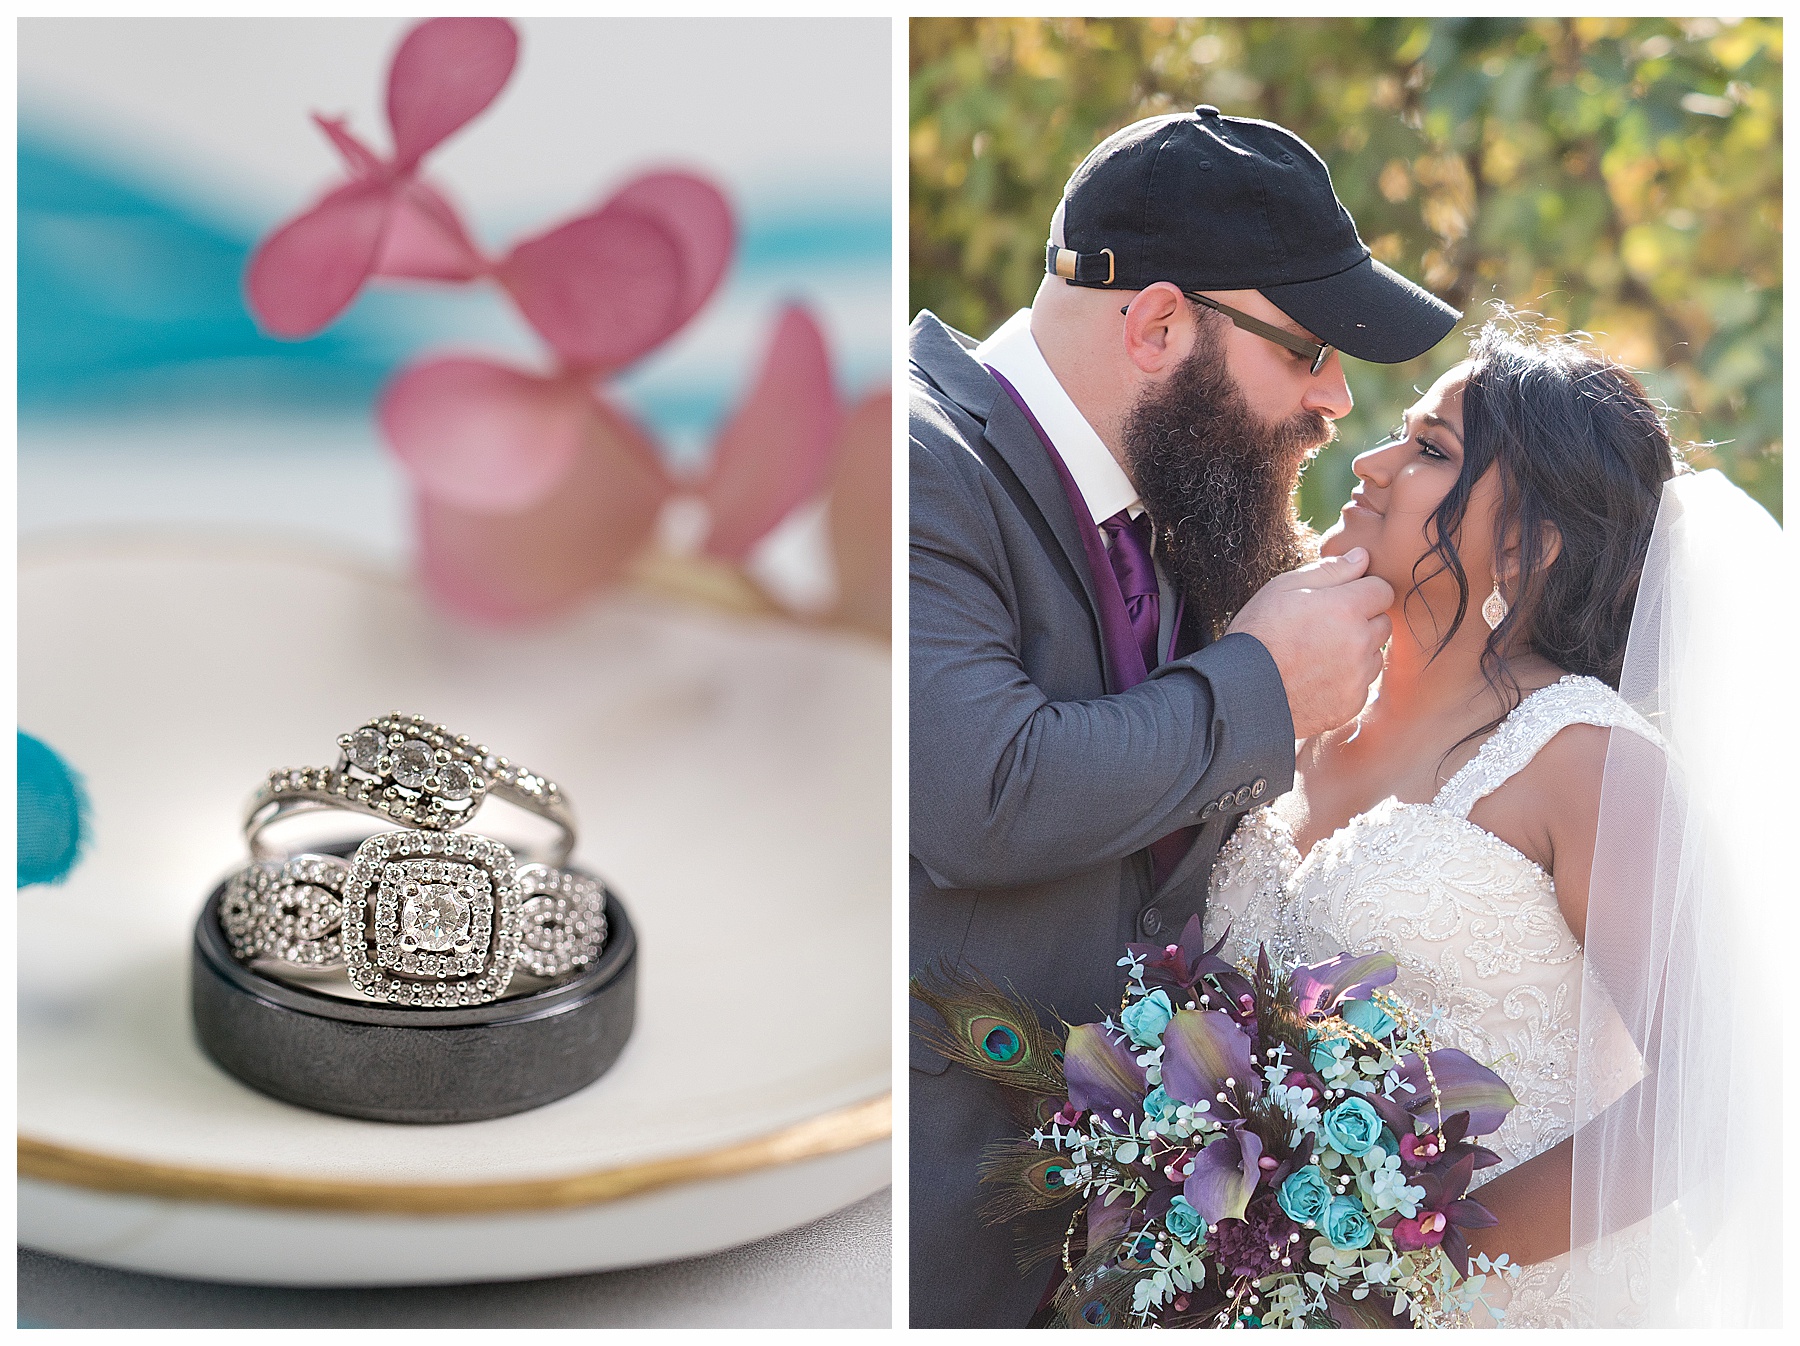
x,y
848,1128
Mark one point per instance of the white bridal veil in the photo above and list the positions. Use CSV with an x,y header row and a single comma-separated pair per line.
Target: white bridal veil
x,y
1678,1209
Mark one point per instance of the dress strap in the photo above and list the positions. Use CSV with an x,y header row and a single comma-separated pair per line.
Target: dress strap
x,y
1536,720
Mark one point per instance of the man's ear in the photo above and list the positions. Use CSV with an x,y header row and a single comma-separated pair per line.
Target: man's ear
x,y
1159,328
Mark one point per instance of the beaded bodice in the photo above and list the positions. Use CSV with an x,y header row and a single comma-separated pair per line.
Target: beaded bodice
x,y
1474,923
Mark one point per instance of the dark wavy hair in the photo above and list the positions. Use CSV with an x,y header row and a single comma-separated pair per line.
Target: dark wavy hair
x,y
1580,445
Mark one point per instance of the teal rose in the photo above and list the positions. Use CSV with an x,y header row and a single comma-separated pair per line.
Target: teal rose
x,y
1369,1017
1158,1105
1347,1224
1305,1196
1144,1022
1325,1054
1353,1126
1182,1220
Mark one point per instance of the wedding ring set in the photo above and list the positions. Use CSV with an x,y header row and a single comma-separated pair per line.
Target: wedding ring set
x,y
426,915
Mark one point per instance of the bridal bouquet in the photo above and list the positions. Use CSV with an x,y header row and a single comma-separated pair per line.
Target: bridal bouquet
x,y
1249,1148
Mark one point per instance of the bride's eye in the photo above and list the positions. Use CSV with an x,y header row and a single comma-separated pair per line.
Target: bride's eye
x,y
1428,450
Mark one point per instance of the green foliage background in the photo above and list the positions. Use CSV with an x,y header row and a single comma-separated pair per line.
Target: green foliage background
x,y
1619,176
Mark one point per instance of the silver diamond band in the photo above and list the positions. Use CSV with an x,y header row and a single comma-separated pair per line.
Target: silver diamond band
x,y
417,918
288,912
563,925
405,770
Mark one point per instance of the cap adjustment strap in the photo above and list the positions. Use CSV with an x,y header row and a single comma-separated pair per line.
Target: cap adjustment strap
x,y
1084,268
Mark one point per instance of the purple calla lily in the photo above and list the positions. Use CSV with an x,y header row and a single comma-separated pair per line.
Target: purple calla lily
x,y
1103,1075
1225,1175
1465,1085
1202,1050
1320,987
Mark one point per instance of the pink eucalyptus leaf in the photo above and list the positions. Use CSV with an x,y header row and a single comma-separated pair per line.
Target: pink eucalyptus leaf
x,y
504,568
697,214
426,239
306,273
481,437
603,289
861,515
445,72
362,161
775,451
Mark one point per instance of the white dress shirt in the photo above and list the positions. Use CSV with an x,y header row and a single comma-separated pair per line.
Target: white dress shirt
x,y
1102,482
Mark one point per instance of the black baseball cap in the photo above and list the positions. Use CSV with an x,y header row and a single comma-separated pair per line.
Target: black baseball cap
x,y
1210,202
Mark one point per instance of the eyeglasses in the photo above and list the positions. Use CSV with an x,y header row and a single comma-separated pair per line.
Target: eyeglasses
x,y
1312,350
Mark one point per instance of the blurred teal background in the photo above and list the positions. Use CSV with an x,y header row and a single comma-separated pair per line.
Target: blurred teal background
x,y
130,297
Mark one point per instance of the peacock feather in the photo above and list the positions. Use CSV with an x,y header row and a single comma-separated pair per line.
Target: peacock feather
x,y
995,1033
1097,1295
1024,1178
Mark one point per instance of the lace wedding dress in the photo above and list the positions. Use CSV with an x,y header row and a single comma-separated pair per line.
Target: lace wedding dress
x,y
1475,927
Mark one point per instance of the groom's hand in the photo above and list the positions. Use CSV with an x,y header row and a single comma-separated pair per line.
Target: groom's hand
x,y
1324,624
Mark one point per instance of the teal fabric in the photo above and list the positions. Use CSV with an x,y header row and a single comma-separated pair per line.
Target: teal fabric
x,y
130,296
53,821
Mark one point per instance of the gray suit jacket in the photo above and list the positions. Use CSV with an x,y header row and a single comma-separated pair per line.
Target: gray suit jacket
x,y
1034,793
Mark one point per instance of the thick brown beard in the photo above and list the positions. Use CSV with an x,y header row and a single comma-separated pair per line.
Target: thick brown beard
x,y
1218,482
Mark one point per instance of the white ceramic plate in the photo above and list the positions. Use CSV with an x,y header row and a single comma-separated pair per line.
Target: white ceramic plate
x,y
731,776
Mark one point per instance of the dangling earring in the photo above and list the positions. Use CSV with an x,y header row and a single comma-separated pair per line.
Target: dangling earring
x,y
1493,611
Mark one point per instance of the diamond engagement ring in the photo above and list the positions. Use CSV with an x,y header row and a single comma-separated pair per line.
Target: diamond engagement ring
x,y
417,918
410,772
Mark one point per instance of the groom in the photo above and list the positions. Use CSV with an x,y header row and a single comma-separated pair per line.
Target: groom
x,y
1112,652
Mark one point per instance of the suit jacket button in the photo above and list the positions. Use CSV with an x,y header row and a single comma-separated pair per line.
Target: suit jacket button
x,y
1207,812
1256,790
1151,921
1243,794
1225,801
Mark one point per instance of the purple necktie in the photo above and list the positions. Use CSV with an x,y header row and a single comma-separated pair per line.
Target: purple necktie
x,y
1130,557
1136,573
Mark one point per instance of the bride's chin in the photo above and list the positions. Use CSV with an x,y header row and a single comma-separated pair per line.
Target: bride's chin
x,y
1333,542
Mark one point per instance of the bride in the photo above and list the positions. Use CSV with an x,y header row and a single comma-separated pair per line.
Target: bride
x,y
1530,841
